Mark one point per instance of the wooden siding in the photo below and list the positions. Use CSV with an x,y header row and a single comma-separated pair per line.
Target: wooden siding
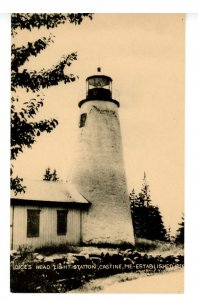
x,y
48,227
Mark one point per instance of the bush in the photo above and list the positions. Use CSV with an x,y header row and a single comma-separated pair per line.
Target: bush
x,y
70,272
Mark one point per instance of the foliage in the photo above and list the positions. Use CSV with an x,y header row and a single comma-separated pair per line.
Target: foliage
x,y
50,176
61,274
23,132
15,184
144,245
179,239
133,199
147,219
30,21
25,251
148,224
24,129
57,249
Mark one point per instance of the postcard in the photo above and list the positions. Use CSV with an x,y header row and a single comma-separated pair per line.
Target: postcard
x,y
97,153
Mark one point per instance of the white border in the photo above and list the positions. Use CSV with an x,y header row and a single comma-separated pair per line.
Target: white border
x,y
114,6
191,152
4,149
191,166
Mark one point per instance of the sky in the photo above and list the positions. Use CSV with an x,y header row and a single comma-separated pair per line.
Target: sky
x,y
144,55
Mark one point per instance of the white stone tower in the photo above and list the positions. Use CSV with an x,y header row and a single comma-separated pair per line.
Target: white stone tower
x,y
99,173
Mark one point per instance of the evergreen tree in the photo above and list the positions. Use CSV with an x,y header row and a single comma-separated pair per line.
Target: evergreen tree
x,y
147,219
144,195
24,130
133,199
47,176
50,176
168,235
179,239
148,223
54,176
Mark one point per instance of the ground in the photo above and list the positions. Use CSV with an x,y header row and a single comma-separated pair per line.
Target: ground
x,y
169,282
150,267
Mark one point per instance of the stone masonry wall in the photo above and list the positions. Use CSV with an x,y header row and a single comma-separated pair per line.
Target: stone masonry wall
x,y
99,175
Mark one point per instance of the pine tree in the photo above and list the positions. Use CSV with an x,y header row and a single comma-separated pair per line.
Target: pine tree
x,y
133,199
144,195
54,176
168,235
179,239
24,130
50,176
47,176
147,219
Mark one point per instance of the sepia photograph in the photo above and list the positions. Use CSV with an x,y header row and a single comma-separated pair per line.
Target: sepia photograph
x,y
97,153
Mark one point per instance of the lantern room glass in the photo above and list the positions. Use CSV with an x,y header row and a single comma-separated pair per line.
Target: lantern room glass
x,y
98,82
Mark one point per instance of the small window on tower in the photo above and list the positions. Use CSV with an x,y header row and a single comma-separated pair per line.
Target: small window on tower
x,y
82,120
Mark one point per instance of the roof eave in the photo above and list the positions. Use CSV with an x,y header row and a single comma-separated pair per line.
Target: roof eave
x,y
47,203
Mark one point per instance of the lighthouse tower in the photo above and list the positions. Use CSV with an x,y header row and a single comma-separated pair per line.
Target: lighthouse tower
x,y
99,173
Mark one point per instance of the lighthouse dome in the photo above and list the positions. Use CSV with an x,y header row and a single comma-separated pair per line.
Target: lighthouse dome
x,y
99,87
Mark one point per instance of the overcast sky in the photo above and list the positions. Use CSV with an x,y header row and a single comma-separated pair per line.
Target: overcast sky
x,y
144,55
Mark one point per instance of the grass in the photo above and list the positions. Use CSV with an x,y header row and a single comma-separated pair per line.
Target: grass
x,y
60,249
121,246
141,245
66,279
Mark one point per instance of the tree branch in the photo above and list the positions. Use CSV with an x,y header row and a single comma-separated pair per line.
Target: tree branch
x,y
23,134
34,81
30,21
21,54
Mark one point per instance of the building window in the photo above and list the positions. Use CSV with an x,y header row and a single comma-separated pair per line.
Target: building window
x,y
33,221
82,120
61,222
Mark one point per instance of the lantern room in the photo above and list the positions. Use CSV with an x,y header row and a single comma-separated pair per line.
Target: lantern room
x,y
98,87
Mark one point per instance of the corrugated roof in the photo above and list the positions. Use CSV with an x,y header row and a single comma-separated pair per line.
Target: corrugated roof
x,y
55,191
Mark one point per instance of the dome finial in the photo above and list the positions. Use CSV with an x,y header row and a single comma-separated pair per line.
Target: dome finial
x,y
99,69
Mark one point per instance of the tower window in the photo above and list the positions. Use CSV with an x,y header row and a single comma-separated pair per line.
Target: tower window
x,y
61,222
33,220
82,120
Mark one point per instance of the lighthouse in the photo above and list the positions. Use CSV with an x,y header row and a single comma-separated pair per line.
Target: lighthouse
x,y
98,171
